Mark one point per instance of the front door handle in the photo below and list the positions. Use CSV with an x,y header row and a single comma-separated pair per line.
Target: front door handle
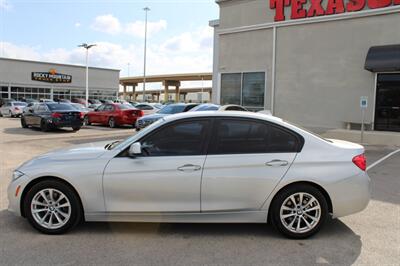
x,y
277,163
189,167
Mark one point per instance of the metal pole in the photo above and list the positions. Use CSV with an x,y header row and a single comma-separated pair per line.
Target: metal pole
x,y
146,9
202,88
87,77
362,124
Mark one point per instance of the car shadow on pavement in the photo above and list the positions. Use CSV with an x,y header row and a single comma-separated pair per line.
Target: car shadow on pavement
x,y
208,243
35,131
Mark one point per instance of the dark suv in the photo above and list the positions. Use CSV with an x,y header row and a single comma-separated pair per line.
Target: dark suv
x,y
51,115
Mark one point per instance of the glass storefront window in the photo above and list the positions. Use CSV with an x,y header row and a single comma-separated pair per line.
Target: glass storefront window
x,y
253,89
246,89
230,88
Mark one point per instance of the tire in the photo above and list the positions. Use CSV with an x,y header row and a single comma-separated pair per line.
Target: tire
x,y
86,121
23,123
76,128
111,122
64,215
285,216
43,126
11,115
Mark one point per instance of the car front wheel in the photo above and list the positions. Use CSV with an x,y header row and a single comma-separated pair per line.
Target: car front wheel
x,y
299,211
86,121
52,207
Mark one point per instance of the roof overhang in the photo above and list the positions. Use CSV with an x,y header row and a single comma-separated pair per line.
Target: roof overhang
x,y
383,58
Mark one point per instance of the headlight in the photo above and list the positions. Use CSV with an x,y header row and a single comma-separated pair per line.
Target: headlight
x,y
16,175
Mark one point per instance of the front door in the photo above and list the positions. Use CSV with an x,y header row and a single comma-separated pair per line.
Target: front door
x,y
165,178
246,160
387,111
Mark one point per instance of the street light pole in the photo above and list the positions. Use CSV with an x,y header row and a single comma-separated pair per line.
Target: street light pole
x,y
146,9
87,47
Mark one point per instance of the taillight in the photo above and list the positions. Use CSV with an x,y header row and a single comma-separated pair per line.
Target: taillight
x,y
56,115
140,113
81,115
360,161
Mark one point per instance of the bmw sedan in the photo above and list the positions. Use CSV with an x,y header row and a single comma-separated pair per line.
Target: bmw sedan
x,y
201,167
52,115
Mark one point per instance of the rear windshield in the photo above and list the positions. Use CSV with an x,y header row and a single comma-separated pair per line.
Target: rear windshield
x,y
125,106
60,107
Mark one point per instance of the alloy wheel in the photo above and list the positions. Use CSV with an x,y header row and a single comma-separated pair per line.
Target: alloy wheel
x,y
300,212
50,208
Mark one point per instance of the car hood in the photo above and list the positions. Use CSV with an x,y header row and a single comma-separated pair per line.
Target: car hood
x,y
87,151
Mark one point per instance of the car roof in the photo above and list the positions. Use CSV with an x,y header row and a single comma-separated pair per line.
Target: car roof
x,y
238,114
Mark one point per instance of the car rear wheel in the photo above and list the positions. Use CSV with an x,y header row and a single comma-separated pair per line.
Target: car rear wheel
x,y
299,211
44,126
52,207
111,122
10,113
86,121
23,123
76,128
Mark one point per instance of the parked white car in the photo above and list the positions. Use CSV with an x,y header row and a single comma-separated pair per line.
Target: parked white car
x,y
148,108
12,109
216,167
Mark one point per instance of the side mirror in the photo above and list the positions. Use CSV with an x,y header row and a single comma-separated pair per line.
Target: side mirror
x,y
135,149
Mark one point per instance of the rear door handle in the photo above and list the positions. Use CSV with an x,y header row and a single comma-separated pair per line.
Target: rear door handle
x,y
189,167
277,163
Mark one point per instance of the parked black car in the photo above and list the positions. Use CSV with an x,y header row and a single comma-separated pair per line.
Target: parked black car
x,y
51,115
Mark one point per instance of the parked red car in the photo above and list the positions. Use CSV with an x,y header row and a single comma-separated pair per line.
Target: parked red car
x,y
113,114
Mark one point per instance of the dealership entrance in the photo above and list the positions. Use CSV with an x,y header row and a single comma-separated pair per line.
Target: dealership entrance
x,y
387,110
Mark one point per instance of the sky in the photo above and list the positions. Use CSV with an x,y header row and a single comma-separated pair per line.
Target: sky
x,y
179,38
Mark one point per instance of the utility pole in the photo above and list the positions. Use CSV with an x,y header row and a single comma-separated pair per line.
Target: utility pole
x,y
87,47
146,10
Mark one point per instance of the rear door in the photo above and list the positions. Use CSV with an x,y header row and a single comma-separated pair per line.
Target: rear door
x,y
246,160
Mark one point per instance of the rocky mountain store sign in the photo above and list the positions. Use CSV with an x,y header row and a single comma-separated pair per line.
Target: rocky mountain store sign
x,y
51,77
311,8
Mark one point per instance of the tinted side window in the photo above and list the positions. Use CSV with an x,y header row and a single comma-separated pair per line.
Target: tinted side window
x,y
244,136
109,108
182,138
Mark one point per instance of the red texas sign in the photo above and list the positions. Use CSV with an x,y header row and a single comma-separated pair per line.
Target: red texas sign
x,y
316,9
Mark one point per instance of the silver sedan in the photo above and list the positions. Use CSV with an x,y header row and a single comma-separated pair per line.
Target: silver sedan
x,y
206,167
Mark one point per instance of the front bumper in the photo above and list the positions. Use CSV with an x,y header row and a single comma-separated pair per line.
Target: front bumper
x,y
142,123
14,199
350,195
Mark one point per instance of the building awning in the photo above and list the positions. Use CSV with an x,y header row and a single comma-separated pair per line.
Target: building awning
x,y
383,58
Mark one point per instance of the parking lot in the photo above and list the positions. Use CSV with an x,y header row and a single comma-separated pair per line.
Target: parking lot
x,y
371,237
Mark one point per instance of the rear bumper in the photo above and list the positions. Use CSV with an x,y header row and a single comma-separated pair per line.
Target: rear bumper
x,y
350,195
126,120
72,123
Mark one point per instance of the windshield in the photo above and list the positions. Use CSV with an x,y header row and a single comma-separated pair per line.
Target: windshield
x,y
125,106
19,104
172,109
142,132
60,107
205,107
